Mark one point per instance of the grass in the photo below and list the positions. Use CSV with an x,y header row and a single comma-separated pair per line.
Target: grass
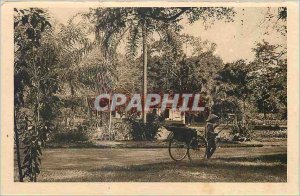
x,y
263,164
139,144
212,171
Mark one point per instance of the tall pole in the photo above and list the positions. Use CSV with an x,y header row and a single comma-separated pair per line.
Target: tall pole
x,y
144,32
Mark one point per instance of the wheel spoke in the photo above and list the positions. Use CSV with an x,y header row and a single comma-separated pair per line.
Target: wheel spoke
x,y
197,149
177,149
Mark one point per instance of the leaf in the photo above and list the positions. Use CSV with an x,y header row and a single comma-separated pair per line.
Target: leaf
x,y
39,11
24,19
26,141
47,23
37,170
30,33
16,24
39,150
39,160
26,159
26,150
43,26
34,21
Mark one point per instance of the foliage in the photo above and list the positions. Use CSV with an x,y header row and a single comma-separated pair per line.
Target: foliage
x,y
171,68
36,82
75,44
270,86
59,68
242,132
238,77
112,24
278,17
73,135
28,26
145,131
261,83
235,81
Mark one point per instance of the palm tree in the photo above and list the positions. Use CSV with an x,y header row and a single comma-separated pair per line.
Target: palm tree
x,y
112,24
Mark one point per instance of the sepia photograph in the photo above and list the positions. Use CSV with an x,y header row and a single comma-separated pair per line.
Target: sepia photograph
x,y
150,94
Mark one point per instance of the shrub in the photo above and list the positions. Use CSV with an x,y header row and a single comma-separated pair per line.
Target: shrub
x,y
242,131
145,131
77,134
265,134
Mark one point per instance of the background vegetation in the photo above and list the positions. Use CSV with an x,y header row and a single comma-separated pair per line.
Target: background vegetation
x,y
59,69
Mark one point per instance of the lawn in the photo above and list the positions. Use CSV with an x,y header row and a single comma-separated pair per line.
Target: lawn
x,y
248,164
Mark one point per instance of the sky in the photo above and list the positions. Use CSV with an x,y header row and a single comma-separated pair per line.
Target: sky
x,y
234,40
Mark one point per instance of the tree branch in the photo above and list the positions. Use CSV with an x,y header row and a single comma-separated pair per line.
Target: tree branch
x,y
167,19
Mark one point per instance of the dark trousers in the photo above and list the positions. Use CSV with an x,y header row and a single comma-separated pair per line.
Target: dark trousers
x,y
211,147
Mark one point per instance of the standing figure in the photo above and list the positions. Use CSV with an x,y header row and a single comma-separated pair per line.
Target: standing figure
x,y
211,125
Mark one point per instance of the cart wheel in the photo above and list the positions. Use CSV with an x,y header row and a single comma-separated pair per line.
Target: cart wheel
x,y
197,148
177,149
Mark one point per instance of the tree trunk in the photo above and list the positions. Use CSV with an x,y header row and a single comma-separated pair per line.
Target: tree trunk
x,y
265,118
37,120
244,113
109,121
210,103
264,110
17,141
144,32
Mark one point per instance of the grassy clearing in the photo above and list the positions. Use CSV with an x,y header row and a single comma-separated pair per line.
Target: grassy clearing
x,y
141,144
218,170
154,165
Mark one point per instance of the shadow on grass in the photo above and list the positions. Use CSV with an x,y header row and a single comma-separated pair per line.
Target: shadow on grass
x,y
265,168
266,163
282,158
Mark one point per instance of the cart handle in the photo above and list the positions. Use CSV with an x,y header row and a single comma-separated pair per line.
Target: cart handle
x,y
223,127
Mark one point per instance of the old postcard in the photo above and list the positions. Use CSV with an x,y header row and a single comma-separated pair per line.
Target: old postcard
x,y
150,98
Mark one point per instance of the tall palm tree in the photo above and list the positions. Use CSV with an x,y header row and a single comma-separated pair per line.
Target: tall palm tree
x,y
138,23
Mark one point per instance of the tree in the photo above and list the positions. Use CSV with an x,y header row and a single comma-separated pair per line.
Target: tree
x,y
187,75
140,23
236,79
270,86
35,83
74,42
278,18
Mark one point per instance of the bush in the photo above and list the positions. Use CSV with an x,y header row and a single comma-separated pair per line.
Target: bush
x,y
265,134
266,127
145,131
78,134
242,132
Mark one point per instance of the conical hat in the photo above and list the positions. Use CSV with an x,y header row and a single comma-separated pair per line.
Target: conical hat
x,y
212,117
